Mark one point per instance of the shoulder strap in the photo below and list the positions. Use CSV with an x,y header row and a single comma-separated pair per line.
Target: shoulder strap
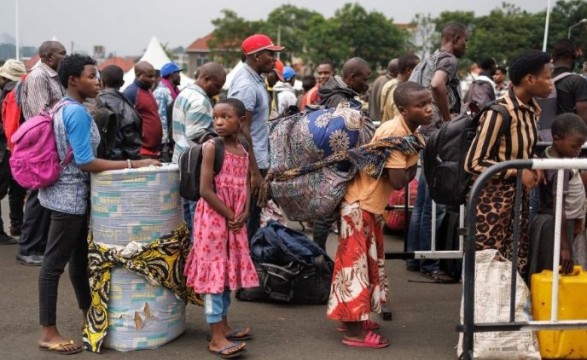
x,y
561,76
69,152
218,154
505,124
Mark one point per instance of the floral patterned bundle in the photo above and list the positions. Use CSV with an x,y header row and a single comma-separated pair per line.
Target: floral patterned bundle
x,y
310,137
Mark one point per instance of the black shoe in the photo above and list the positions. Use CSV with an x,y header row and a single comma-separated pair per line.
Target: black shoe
x,y
30,260
7,240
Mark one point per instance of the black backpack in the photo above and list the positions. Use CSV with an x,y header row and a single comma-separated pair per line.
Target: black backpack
x,y
190,163
445,153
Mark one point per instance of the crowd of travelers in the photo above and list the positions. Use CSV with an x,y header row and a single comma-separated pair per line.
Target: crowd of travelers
x,y
154,120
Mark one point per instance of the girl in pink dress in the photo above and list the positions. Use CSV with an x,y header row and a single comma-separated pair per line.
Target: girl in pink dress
x,y
219,261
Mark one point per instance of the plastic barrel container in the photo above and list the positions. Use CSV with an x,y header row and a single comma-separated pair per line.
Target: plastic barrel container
x,y
138,205
561,344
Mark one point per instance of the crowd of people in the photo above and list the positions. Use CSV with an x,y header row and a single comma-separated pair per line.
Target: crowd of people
x,y
155,121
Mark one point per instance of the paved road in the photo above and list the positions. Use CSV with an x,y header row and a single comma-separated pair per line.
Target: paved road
x,y
423,326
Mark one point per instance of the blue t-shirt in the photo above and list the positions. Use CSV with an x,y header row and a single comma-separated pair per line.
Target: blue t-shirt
x,y
249,87
78,125
75,129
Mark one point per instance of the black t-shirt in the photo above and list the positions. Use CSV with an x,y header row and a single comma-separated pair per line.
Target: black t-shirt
x,y
569,90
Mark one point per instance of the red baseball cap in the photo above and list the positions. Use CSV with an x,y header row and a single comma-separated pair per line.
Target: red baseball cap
x,y
259,42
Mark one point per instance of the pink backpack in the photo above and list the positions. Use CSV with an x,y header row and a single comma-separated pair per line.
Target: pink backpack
x,y
34,160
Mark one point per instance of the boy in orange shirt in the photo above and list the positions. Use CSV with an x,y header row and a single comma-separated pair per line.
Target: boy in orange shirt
x,y
359,283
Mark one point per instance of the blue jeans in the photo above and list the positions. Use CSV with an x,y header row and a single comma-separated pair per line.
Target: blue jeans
x,y
189,208
216,306
420,230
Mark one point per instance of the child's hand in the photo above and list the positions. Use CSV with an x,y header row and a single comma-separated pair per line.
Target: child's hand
x,y
566,260
529,178
236,224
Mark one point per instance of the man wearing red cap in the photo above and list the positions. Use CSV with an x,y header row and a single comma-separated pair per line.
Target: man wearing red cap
x,y
249,87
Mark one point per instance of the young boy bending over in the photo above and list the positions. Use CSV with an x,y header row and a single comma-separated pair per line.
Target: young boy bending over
x,y
359,284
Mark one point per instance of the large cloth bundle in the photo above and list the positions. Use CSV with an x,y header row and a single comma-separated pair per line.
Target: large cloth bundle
x,y
138,233
307,138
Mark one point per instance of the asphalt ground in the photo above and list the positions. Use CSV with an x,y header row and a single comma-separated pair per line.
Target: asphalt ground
x,y
423,327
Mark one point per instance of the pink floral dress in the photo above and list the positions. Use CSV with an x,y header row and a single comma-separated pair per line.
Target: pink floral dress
x,y
220,258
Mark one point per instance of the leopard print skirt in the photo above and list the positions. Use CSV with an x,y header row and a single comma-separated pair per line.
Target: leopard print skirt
x,y
495,221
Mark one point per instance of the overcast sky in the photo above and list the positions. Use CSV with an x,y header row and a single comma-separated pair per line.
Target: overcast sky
x,y
124,27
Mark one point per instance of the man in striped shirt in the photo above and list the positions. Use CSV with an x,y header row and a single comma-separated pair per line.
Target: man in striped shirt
x,y
41,89
530,74
192,118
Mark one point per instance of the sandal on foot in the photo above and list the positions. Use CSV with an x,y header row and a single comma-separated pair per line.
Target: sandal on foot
x,y
231,351
368,325
64,348
233,335
439,277
371,340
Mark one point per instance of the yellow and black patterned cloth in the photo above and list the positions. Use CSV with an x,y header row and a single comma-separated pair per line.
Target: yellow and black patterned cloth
x,y
162,262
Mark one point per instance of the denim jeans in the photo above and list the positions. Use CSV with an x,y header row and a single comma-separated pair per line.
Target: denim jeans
x,y
66,243
189,208
322,226
420,230
254,221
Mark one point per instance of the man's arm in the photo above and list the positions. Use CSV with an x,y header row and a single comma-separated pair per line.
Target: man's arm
x,y
581,109
440,93
256,177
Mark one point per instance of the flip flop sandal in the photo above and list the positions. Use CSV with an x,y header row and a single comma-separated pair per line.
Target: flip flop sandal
x,y
230,355
368,325
61,348
371,340
231,335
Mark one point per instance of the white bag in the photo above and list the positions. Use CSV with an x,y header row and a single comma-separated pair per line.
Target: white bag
x,y
492,304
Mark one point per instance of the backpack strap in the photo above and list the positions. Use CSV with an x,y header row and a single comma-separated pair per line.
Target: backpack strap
x,y
505,124
561,76
69,153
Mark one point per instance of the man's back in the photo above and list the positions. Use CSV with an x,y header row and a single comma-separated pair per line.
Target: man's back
x,y
569,90
146,106
41,90
334,92
249,87
128,140
192,119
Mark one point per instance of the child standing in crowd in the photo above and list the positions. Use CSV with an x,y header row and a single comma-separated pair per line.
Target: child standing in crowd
x,y
67,199
359,283
569,133
219,261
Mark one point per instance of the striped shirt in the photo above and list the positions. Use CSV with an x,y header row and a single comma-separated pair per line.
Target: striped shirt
x,y
517,143
41,89
192,118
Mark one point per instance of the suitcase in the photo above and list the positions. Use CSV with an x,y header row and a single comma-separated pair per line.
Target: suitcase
x,y
561,344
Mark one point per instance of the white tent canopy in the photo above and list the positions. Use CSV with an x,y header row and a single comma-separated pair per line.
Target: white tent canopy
x,y
156,56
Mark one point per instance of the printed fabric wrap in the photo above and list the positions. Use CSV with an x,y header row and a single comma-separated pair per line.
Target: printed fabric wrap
x,y
316,189
161,262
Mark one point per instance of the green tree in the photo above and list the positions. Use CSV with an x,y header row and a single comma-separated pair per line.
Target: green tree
x,y
355,32
229,32
564,15
504,33
291,24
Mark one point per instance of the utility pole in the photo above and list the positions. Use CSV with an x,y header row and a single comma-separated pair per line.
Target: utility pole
x,y
16,36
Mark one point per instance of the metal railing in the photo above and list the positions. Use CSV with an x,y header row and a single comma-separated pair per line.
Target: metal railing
x,y
469,327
